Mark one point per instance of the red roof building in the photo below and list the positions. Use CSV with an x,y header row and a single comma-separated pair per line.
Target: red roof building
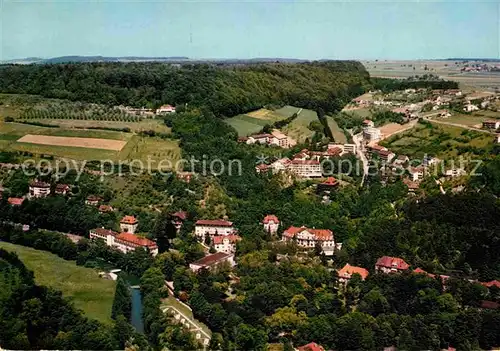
x,y
211,261
213,227
15,201
310,237
330,184
347,271
312,346
387,264
492,283
62,189
129,224
124,242
225,243
271,224
105,208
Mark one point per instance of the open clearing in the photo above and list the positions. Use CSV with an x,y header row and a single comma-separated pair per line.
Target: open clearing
x,y
92,143
82,285
338,134
298,128
253,122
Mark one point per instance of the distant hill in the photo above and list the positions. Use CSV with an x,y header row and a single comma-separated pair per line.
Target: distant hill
x,y
172,59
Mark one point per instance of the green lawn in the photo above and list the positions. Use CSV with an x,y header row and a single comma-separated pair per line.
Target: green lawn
x,y
83,286
298,129
338,134
252,122
147,124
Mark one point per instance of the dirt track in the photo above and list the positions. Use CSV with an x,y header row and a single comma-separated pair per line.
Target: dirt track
x,y
91,143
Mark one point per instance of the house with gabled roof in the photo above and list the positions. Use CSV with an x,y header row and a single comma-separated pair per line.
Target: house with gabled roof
x,y
129,224
388,264
346,273
213,227
308,238
124,242
271,224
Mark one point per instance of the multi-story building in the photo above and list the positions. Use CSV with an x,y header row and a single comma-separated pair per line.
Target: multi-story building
x,y
305,168
212,261
372,134
282,140
351,148
213,227
327,186
347,271
38,189
271,224
124,242
93,200
368,123
416,173
310,237
225,243
129,224
387,264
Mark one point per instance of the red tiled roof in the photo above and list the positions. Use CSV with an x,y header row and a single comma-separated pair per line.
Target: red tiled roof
x,y
214,222
305,162
15,201
105,208
129,220
180,214
104,232
367,121
62,187
311,347
93,198
492,283
260,136
392,262
384,152
320,234
333,151
219,239
270,218
262,166
212,259
331,181
135,240
490,304
37,184
347,271
421,271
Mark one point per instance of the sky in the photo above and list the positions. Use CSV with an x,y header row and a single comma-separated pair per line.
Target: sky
x,y
249,29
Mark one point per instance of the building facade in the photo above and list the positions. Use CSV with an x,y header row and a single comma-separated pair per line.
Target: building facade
x,y
271,224
387,264
212,261
345,274
124,242
38,190
305,168
225,243
129,224
308,238
213,227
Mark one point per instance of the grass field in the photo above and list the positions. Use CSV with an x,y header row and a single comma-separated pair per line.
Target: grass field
x,y
441,141
83,286
298,129
254,121
148,124
136,147
171,301
338,134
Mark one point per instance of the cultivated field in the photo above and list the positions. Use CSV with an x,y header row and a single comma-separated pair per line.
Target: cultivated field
x,y
253,122
83,286
442,141
92,143
338,134
446,69
79,144
147,124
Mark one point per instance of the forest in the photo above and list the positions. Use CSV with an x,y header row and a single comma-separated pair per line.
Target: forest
x,y
225,90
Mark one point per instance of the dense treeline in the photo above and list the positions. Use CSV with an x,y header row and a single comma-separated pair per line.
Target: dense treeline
x,y
426,82
35,317
225,90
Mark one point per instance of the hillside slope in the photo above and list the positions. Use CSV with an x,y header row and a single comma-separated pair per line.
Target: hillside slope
x,y
227,90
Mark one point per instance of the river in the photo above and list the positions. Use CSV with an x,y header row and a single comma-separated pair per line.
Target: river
x,y
136,318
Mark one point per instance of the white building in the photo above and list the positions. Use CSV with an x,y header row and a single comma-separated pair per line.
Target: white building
x,y
212,261
350,148
280,165
372,134
213,227
416,173
470,108
282,140
271,224
124,242
129,224
38,189
455,172
308,238
225,243
305,168
165,109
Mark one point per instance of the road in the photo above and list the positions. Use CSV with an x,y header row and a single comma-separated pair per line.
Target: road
x,y
358,141
459,126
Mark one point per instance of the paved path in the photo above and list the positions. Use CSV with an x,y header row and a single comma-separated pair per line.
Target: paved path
x,y
358,141
460,126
